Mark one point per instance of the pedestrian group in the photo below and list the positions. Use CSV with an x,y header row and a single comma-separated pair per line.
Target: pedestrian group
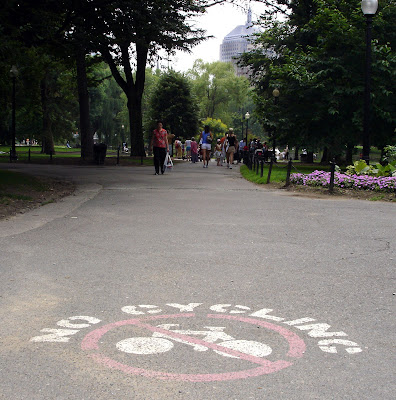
x,y
226,149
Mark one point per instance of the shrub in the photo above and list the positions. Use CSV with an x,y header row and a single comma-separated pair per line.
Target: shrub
x,y
389,154
361,168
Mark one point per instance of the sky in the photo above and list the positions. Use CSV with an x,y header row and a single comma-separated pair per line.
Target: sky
x,y
218,21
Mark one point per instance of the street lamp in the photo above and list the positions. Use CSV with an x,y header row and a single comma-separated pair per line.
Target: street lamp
x,y
369,8
13,74
247,116
275,94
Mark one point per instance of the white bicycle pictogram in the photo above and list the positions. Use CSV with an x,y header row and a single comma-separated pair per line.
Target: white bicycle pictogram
x,y
161,342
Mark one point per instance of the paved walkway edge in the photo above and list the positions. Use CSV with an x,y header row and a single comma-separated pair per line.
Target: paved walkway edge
x,y
38,217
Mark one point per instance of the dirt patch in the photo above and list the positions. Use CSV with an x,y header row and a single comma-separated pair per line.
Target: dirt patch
x,y
25,199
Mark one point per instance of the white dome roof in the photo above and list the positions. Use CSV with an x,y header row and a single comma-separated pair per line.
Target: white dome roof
x,y
241,31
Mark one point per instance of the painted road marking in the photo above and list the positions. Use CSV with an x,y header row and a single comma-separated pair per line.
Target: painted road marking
x,y
144,345
212,338
296,349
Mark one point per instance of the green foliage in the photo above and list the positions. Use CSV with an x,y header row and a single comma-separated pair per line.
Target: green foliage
x,y
174,104
361,168
219,91
107,103
389,153
126,33
134,35
216,126
319,72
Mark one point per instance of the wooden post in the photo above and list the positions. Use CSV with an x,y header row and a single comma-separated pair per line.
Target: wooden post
x,y
289,167
332,171
270,170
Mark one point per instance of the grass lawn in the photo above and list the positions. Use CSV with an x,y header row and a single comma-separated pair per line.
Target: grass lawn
x,y
279,170
63,155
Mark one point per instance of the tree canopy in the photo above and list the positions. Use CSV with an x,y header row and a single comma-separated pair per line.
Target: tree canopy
x,y
174,104
316,59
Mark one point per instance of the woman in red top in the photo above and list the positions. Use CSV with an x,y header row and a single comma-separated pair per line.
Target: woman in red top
x,y
159,144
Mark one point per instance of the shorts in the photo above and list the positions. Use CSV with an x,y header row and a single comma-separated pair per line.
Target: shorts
x,y
231,149
188,148
206,146
217,154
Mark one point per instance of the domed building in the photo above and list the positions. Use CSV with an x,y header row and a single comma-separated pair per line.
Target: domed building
x,y
236,43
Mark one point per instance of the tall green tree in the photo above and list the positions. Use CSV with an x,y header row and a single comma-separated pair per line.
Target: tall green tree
x,y
219,91
129,33
315,57
49,27
174,104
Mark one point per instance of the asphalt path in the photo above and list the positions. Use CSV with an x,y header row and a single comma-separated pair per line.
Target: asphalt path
x,y
195,285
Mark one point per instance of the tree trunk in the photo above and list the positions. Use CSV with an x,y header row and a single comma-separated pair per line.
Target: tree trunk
x,y
83,99
47,138
296,153
133,88
349,153
135,121
325,155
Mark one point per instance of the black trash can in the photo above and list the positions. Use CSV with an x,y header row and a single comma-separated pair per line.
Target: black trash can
x,y
99,151
304,158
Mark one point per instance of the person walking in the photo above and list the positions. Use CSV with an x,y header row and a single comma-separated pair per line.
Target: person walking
x,y
223,142
188,149
178,147
231,140
218,151
171,136
241,149
206,146
286,153
159,145
194,151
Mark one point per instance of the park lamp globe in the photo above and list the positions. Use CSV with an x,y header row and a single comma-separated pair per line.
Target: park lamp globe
x,y
275,92
247,116
369,7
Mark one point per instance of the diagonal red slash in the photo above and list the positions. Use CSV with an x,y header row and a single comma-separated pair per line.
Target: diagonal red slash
x,y
136,322
297,348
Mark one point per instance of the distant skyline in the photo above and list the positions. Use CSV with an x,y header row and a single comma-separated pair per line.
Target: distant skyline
x,y
218,21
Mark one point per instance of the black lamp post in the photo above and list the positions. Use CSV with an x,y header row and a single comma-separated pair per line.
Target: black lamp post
x,y
247,116
276,94
242,127
13,74
369,8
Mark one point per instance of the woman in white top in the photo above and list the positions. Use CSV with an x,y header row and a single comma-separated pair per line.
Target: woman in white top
x,y
206,137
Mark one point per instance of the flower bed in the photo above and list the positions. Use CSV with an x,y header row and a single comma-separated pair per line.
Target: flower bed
x,y
359,182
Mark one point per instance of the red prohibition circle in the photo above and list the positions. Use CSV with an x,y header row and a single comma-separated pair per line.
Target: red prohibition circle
x,y
296,350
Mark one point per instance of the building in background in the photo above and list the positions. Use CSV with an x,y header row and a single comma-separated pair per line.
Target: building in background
x,y
236,43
